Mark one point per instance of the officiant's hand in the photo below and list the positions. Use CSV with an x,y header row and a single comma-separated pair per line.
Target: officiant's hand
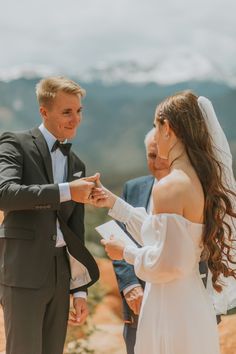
x,y
134,299
114,248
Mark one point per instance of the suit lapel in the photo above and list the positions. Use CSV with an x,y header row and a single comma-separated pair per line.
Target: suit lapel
x,y
74,166
145,190
70,167
66,208
42,147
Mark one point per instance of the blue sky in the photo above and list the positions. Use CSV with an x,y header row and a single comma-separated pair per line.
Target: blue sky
x,y
74,35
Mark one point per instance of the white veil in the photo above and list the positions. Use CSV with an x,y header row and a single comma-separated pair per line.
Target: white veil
x,y
225,300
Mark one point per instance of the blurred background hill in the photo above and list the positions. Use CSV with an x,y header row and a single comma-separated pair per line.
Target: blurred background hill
x,y
116,117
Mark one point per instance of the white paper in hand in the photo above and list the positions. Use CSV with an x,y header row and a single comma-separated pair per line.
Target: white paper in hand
x,y
112,228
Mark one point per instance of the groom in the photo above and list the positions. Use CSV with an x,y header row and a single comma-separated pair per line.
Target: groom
x,y
42,252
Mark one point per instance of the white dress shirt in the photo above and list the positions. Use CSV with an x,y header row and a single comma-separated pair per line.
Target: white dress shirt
x,y
60,171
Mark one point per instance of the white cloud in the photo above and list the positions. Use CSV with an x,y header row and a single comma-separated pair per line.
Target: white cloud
x,y
73,35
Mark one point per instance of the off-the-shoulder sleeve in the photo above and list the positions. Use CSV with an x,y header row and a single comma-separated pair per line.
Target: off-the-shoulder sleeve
x,y
168,252
133,218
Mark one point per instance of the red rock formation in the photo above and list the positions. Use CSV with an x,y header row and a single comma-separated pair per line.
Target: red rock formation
x,y
112,300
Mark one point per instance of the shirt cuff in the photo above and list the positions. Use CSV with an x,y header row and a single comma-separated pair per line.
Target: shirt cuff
x,y
82,294
129,288
130,254
64,191
121,211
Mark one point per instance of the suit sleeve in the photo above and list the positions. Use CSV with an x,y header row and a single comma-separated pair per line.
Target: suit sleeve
x,y
125,274
13,194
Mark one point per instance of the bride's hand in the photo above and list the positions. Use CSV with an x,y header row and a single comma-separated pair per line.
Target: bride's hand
x,y
105,200
114,248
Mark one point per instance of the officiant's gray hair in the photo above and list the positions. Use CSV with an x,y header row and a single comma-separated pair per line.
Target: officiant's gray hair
x,y
148,137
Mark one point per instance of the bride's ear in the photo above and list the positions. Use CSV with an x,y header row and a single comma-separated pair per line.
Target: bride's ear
x,y
166,129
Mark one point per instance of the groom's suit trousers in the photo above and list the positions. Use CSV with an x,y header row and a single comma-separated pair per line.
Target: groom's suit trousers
x,y
46,310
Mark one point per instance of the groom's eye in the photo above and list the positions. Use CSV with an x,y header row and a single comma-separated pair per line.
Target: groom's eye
x,y
66,112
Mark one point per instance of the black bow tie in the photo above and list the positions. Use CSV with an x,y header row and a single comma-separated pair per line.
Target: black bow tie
x,y
65,148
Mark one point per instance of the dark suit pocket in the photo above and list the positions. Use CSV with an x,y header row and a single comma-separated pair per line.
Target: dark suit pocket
x,y
17,233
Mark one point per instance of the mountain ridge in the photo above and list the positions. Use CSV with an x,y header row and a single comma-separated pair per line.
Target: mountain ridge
x,y
163,70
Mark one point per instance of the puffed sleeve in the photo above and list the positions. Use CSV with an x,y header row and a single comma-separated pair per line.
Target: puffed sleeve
x,y
133,218
168,252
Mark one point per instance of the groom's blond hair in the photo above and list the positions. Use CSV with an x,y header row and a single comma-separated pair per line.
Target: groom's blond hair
x,y
46,89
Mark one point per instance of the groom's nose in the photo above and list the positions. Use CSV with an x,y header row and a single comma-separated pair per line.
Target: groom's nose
x,y
75,119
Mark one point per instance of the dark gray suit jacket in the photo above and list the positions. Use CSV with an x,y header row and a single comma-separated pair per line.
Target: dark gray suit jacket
x,y
137,193
31,204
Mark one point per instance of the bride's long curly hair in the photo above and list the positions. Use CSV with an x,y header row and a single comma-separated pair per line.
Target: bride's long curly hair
x,y
187,122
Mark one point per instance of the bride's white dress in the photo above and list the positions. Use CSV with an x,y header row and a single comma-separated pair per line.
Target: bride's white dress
x,y
177,315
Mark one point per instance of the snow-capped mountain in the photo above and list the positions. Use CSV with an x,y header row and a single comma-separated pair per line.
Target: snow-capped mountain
x,y
166,70
27,71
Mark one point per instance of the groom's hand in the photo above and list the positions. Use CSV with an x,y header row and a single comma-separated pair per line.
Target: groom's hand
x,y
80,313
134,299
82,188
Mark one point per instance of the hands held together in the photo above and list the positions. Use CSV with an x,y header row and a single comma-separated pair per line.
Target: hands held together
x,y
89,190
81,189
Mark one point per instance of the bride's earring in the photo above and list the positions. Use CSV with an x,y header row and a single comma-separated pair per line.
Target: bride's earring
x,y
166,136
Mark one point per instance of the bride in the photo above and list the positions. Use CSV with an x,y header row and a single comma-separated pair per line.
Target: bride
x,y
194,215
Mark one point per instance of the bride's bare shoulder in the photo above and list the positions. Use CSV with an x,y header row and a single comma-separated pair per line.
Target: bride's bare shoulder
x,y
169,193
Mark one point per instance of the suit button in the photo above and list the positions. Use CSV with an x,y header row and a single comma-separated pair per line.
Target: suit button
x,y
54,237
